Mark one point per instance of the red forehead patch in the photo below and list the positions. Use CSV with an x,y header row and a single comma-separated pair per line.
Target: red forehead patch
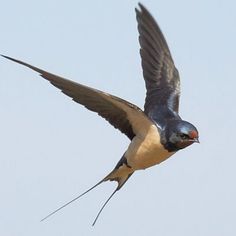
x,y
193,134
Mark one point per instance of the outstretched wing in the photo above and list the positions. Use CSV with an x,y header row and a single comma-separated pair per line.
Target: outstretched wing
x,y
160,75
126,117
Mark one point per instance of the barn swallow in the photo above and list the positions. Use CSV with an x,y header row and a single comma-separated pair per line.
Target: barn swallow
x,y
155,133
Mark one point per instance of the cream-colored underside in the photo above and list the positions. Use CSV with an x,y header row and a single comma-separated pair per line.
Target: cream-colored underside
x,y
146,151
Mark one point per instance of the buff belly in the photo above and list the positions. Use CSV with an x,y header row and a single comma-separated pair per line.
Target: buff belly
x,y
146,151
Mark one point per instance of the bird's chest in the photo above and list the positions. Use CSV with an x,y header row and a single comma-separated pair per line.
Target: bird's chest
x,y
146,151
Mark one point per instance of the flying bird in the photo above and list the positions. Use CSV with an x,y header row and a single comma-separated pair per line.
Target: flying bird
x,y
155,133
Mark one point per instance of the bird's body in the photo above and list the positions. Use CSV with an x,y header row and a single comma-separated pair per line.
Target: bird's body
x,y
155,133
146,150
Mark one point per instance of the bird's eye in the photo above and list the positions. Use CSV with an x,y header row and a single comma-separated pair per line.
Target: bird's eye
x,y
184,136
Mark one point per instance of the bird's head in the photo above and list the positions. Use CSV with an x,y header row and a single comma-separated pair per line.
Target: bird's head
x,y
179,134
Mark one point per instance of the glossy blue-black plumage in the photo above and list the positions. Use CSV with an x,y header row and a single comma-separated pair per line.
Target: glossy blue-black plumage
x,y
173,133
160,75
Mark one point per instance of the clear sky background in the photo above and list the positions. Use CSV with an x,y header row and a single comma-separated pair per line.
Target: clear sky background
x,y
52,149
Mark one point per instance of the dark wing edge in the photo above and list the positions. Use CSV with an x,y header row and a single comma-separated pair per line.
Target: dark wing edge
x,y
106,105
160,75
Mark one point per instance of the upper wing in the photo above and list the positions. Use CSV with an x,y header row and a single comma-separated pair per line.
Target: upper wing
x,y
160,75
126,117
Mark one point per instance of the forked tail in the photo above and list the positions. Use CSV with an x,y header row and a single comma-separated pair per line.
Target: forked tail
x,y
113,176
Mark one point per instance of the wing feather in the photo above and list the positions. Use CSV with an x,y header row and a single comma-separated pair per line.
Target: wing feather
x,y
160,75
126,117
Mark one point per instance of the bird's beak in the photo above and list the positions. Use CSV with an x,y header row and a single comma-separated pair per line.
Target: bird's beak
x,y
196,140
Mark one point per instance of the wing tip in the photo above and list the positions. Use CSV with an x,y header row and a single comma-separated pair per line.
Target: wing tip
x,y
142,8
139,8
34,68
9,58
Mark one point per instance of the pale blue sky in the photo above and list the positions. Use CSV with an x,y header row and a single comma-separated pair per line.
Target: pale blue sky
x,y
52,149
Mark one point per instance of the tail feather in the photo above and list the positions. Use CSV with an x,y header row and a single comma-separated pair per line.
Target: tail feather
x,y
115,175
74,199
121,180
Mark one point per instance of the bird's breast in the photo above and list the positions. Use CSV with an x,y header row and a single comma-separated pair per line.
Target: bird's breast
x,y
146,151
